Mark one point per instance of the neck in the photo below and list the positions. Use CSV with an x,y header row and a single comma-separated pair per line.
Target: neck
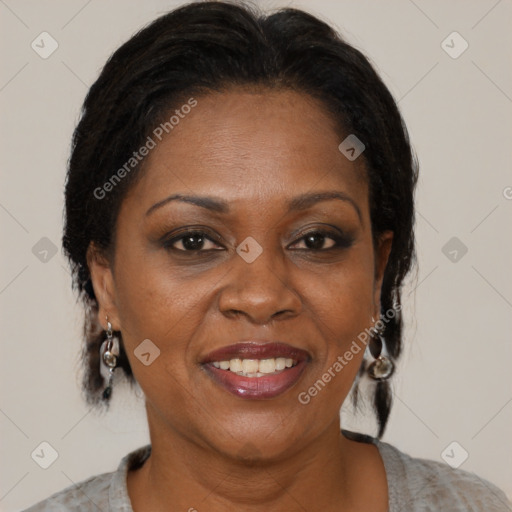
x,y
185,476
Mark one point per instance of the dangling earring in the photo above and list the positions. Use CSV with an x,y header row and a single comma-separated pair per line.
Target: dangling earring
x,y
382,367
108,354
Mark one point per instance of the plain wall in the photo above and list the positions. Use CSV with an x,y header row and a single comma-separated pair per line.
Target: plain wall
x,y
454,379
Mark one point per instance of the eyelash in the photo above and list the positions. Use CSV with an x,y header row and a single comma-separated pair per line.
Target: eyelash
x,y
340,241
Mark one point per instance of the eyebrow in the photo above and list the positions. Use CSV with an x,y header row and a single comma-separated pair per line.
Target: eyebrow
x,y
210,203
302,202
307,200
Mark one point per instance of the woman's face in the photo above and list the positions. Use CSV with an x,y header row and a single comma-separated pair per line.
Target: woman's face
x,y
280,265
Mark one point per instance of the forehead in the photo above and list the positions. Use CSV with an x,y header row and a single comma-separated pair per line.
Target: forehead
x,y
245,144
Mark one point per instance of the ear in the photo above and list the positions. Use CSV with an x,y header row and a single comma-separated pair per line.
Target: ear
x,y
382,251
104,286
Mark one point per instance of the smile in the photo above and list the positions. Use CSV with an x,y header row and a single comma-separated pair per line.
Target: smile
x,y
256,370
254,367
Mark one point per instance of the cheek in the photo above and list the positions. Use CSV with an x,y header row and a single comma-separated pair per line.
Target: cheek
x,y
156,302
341,298
341,304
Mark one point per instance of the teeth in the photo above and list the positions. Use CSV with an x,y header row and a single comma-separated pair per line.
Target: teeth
x,y
235,365
280,363
267,366
250,365
255,367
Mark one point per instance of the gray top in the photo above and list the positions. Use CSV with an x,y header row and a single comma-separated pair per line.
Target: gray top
x,y
414,485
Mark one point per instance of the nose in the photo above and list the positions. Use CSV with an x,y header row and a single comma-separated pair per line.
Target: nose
x,y
260,290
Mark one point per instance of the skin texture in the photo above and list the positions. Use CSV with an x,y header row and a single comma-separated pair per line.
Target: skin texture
x,y
256,150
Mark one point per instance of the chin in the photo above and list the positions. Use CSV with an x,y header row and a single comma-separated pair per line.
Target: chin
x,y
264,438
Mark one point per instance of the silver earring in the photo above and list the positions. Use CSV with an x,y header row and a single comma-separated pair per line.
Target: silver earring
x,y
108,360
382,367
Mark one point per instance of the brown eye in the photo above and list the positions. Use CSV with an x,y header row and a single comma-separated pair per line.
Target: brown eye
x,y
322,241
191,241
317,240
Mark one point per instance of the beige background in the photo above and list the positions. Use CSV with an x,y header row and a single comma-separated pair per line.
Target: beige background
x,y
454,383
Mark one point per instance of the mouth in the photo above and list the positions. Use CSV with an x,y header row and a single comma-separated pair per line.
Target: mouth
x,y
256,370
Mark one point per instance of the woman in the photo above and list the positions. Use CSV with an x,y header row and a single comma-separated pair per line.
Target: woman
x,y
239,220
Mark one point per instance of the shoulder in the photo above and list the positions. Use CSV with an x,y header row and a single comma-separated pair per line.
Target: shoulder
x,y
106,491
422,485
89,495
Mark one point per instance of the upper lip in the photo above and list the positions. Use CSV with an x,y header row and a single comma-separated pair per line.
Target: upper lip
x,y
256,349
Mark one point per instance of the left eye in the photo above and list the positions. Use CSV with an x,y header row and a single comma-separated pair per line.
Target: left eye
x,y
316,240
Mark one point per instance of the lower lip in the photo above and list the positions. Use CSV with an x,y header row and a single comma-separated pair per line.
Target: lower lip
x,y
257,387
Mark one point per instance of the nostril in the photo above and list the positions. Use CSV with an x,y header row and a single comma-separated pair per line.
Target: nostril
x,y
283,312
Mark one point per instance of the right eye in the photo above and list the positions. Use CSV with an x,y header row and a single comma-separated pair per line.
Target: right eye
x,y
192,241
